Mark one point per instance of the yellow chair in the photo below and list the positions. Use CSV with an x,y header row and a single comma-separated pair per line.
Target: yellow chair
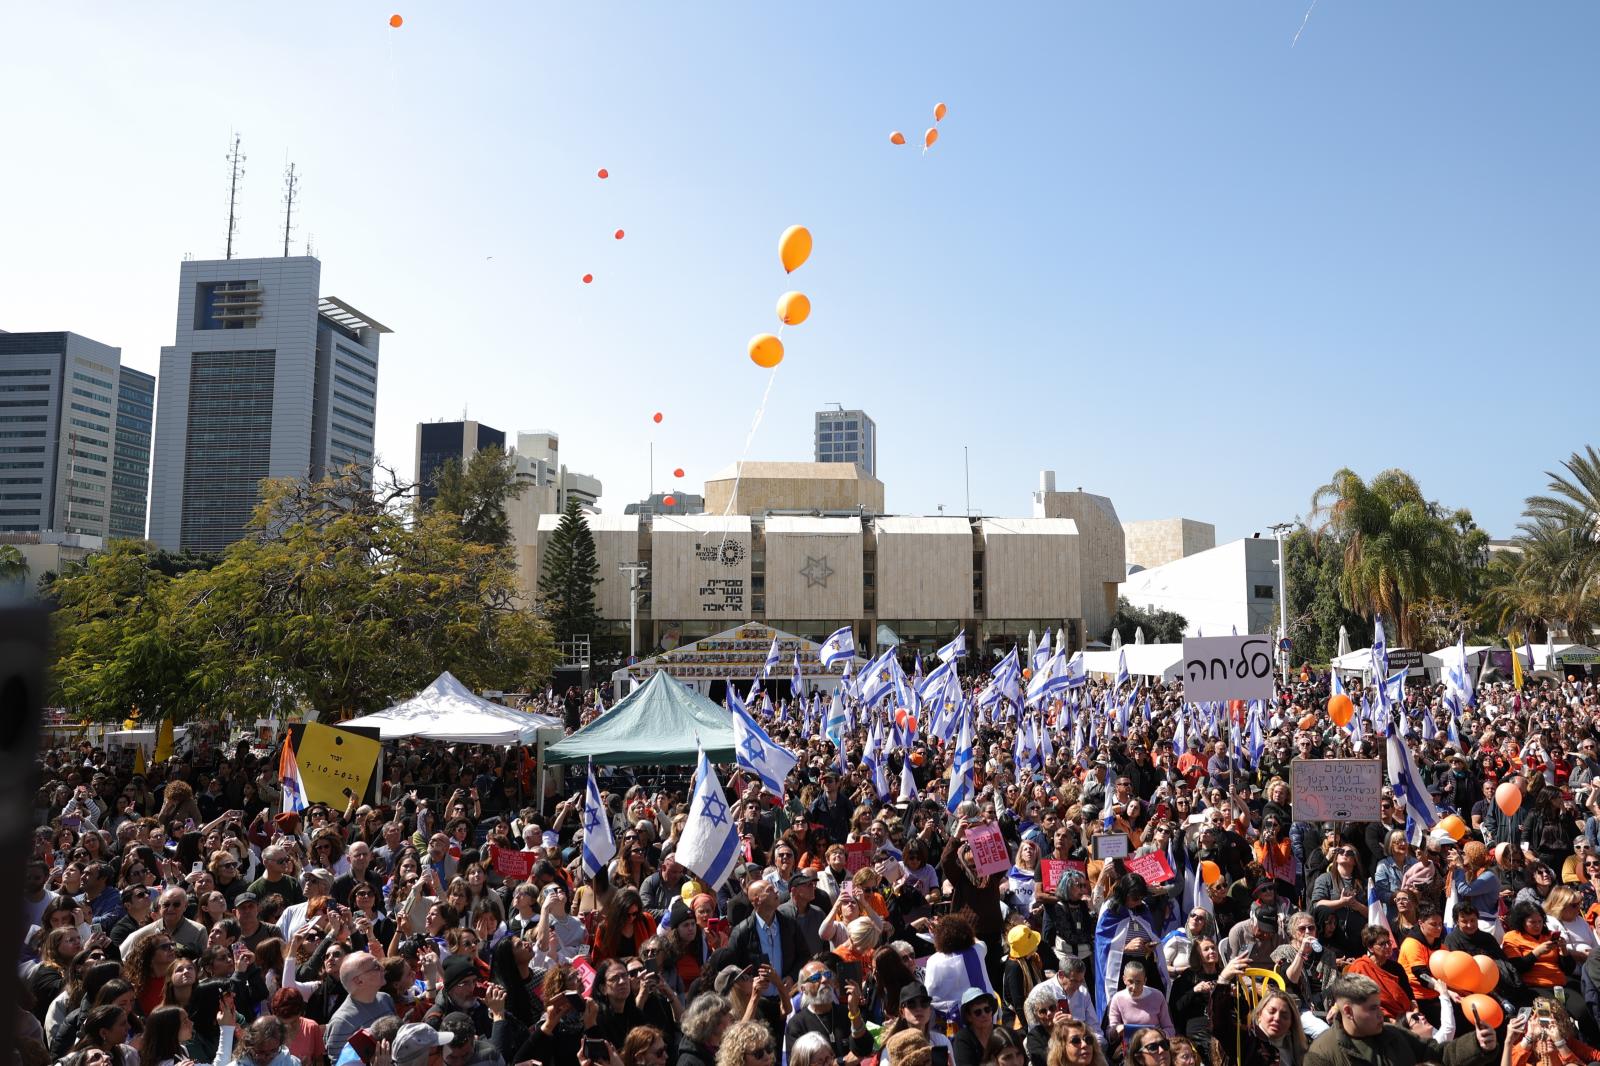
x,y
1255,984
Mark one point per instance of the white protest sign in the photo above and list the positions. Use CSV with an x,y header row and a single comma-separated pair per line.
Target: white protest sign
x,y
1111,845
1227,668
1336,790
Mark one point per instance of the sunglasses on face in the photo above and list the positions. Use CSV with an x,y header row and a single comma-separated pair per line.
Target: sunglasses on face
x,y
1076,1041
1155,1045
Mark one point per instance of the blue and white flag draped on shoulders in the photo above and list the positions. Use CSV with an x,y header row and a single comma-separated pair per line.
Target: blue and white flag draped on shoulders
x,y
710,842
839,647
755,751
599,843
1113,929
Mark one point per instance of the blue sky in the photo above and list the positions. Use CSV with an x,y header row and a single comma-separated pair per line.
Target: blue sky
x,y
1156,248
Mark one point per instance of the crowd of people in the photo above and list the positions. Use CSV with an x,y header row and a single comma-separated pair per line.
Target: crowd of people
x,y
177,918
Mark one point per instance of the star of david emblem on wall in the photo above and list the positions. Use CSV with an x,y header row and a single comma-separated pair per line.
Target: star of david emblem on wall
x,y
816,572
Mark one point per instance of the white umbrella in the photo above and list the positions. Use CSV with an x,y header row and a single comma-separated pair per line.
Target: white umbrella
x,y
1061,638
1033,644
1116,639
1138,635
1344,641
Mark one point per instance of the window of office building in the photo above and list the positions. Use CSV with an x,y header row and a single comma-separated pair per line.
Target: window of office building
x,y
228,444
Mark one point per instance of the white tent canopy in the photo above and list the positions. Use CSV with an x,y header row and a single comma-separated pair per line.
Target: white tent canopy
x,y
1445,658
448,710
1144,660
1360,662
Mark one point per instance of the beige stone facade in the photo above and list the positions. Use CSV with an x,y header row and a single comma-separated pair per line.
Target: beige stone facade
x,y
924,567
1031,567
700,569
1102,552
764,487
1163,540
813,568
616,541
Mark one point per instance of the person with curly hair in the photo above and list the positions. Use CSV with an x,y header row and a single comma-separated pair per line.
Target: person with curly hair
x,y
146,968
747,1044
958,962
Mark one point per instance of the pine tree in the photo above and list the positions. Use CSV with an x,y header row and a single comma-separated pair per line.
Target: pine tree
x,y
478,492
571,572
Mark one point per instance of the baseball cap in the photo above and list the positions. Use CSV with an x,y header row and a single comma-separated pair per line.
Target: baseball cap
x,y
317,873
803,877
245,897
414,1041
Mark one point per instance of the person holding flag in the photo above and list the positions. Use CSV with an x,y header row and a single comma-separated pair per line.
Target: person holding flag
x,y
599,842
709,845
294,788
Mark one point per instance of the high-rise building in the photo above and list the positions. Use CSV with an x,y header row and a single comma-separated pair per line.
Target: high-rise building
x,y
440,442
847,437
130,460
63,452
264,379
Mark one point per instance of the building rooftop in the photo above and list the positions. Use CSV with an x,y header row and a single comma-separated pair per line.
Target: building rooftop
x,y
1037,527
923,524
800,471
348,316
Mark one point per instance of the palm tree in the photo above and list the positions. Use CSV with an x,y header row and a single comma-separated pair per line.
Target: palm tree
x,y
1574,498
1399,549
1549,579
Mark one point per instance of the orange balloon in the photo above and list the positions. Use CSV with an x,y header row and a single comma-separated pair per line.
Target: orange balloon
x,y
603,174
1439,962
917,758
618,235
1453,825
1488,974
587,278
678,472
1461,972
1340,709
766,351
1309,722
669,501
1026,673
793,308
897,137
396,21
1508,797
929,137
900,716
911,722
656,417
1485,1009
1210,872
939,111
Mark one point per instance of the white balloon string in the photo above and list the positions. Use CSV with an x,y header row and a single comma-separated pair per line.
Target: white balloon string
x,y
1303,22
738,470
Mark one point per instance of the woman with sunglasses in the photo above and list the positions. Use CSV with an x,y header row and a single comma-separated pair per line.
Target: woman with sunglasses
x,y
1341,894
746,1044
1039,1015
1071,1044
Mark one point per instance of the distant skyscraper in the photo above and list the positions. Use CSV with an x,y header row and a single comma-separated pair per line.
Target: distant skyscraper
x,y
130,461
439,442
69,436
847,437
265,379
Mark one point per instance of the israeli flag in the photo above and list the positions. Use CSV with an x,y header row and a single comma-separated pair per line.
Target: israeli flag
x,y
1409,791
1047,750
1077,674
954,650
1380,652
961,768
1258,744
1180,735
798,682
873,758
1007,675
834,725
1392,693
1122,667
1110,799
774,656
1377,913
710,842
1042,653
839,647
599,843
755,751
908,783
879,679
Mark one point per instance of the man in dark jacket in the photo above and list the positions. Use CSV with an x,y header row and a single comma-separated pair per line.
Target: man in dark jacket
x,y
768,936
1359,1035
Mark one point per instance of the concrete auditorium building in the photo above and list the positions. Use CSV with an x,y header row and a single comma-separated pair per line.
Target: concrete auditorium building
x,y
804,548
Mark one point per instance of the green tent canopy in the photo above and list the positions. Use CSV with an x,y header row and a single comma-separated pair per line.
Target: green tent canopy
x,y
656,724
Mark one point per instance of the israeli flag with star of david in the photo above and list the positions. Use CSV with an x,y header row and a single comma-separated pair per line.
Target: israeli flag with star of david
x,y
840,647
774,656
710,842
755,751
599,843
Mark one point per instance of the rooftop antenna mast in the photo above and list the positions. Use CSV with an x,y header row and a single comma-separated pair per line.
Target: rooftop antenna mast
x,y
236,169
291,185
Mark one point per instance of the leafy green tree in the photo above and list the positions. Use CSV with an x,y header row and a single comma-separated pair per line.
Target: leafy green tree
x,y
117,650
1399,548
1160,627
335,601
1549,579
13,567
478,492
1316,610
570,573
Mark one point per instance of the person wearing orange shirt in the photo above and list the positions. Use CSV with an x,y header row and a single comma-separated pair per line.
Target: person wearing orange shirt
x,y
1415,951
1394,988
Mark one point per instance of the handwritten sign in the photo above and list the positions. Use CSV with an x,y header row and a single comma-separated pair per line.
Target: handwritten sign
x,y
989,852
332,760
857,855
1154,867
1111,845
1336,790
1227,668
514,865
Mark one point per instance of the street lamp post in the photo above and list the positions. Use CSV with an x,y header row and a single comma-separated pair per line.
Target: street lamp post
x,y
634,571
1283,600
